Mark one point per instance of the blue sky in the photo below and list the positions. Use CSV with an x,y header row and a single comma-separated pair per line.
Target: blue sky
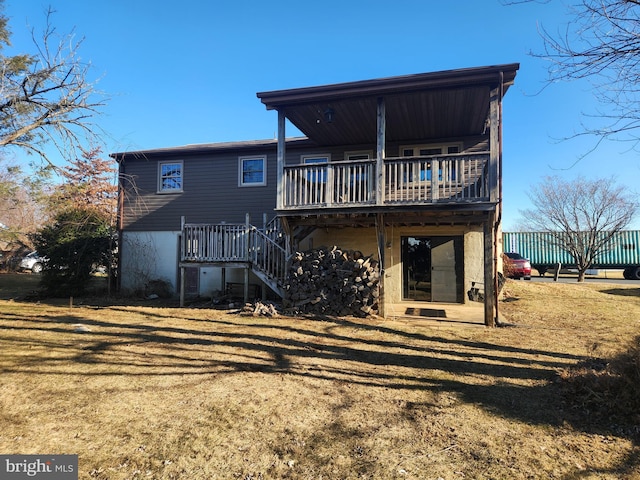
x,y
187,72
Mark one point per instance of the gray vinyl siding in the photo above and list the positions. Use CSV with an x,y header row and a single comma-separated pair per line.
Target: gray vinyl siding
x,y
210,193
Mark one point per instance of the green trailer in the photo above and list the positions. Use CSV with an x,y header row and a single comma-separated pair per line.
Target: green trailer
x,y
622,252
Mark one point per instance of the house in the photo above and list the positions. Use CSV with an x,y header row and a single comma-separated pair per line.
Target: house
x,y
407,169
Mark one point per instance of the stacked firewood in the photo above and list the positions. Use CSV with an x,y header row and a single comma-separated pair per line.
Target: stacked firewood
x,y
258,309
333,281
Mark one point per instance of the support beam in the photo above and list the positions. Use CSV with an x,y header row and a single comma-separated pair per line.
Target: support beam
x,y
495,195
435,180
182,281
281,152
246,285
489,272
183,222
381,246
380,150
494,144
248,256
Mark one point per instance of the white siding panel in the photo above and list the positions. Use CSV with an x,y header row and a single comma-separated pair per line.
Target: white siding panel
x,y
148,256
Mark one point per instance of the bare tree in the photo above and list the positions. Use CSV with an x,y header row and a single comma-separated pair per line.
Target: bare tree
x,y
22,205
581,216
601,43
46,97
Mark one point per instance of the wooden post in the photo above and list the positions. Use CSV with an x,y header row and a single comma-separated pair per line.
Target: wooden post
x,y
381,247
329,192
281,159
263,288
489,273
246,284
182,282
435,179
247,245
494,145
491,227
381,141
286,228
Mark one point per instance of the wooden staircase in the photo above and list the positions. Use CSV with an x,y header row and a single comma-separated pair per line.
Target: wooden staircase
x,y
263,251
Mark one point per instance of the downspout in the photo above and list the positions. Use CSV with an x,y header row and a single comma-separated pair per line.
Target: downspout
x,y
119,223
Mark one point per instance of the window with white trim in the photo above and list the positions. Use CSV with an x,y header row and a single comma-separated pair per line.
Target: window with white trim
x,y
429,150
252,171
425,150
170,177
316,174
355,156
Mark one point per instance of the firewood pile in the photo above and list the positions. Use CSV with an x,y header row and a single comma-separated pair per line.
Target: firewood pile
x,y
260,309
333,281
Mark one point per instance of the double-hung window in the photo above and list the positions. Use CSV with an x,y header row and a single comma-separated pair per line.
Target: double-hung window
x,y
170,177
252,171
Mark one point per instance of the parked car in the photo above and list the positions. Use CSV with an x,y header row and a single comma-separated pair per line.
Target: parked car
x,y
33,262
516,266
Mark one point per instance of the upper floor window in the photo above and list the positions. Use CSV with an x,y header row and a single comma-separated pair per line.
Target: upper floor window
x,y
426,150
315,159
252,171
316,174
170,177
446,169
355,156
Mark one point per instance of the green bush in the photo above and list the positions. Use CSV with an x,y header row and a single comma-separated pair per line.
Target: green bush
x,y
79,239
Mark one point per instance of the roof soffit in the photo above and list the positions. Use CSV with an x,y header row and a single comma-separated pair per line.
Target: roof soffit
x,y
434,105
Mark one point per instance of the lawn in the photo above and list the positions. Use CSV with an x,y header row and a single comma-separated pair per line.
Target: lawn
x,y
145,391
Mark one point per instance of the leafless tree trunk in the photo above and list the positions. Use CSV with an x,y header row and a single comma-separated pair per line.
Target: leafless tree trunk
x,y
581,215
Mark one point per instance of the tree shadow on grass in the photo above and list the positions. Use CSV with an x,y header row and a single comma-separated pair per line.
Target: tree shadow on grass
x,y
507,380
624,292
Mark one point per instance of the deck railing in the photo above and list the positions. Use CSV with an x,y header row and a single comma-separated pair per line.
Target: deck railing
x,y
329,183
214,243
405,180
267,256
237,243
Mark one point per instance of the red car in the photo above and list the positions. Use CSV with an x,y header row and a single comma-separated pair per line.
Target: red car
x,y
516,266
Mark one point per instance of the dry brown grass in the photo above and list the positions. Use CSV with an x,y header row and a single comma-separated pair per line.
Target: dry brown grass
x,y
168,393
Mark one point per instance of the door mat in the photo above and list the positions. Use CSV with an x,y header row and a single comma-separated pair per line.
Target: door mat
x,y
426,312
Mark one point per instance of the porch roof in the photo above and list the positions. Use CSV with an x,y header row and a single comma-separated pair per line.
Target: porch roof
x,y
449,103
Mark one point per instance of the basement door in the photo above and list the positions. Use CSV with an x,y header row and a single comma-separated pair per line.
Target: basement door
x,y
191,280
432,269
